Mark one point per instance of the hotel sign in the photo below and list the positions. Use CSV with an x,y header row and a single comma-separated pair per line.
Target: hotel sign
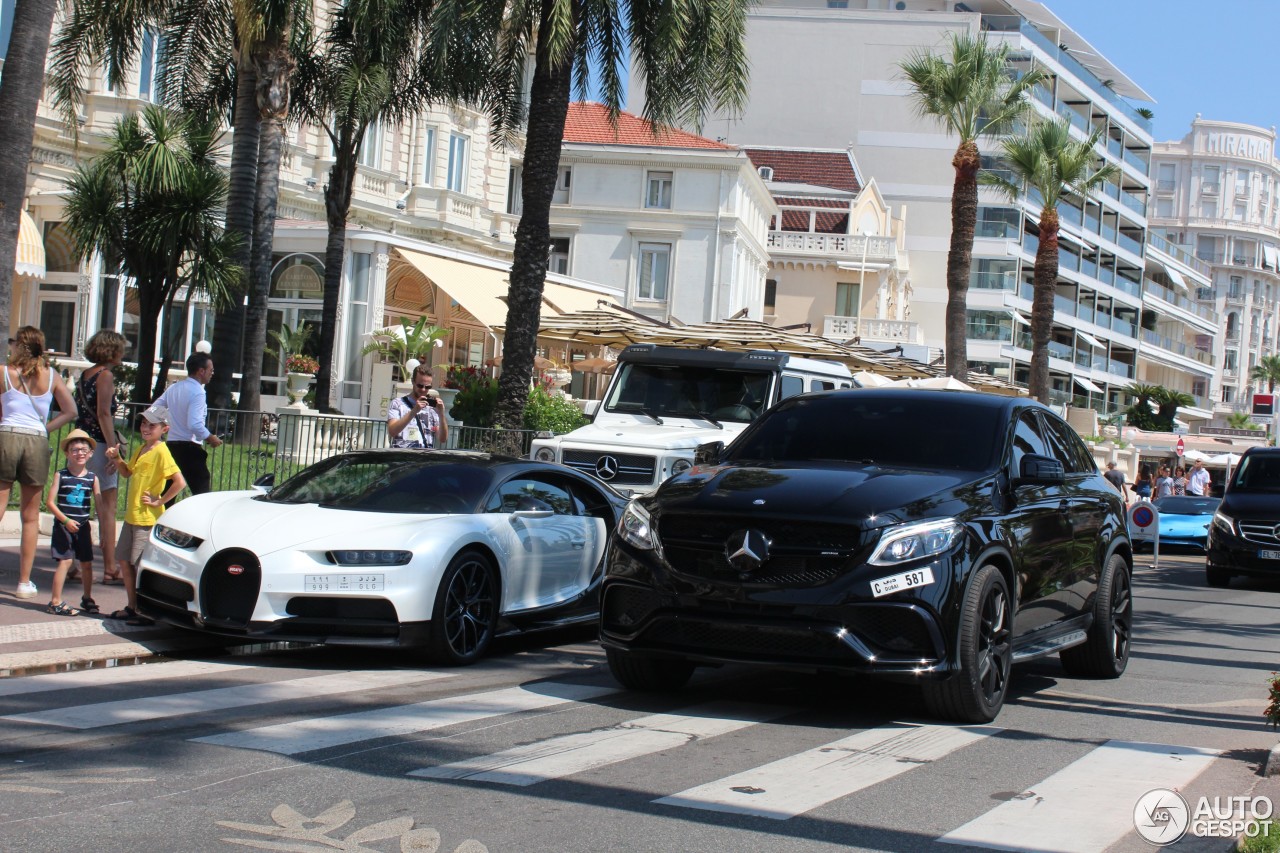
x,y
1238,145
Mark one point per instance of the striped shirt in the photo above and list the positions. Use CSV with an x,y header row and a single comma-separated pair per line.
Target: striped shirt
x,y
74,494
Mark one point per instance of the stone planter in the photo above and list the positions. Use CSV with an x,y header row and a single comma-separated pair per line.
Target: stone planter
x,y
296,387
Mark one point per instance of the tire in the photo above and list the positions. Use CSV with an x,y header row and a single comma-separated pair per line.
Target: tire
x,y
652,675
976,693
1217,577
466,610
1105,653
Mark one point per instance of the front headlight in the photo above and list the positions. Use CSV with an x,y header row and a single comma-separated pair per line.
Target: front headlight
x,y
544,454
1224,522
907,542
680,466
636,529
177,538
370,558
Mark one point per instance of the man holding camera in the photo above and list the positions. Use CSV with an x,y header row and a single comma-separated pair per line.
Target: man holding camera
x,y
417,418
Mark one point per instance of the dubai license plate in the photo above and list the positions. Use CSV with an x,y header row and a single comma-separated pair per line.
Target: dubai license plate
x,y
1269,555
344,583
897,583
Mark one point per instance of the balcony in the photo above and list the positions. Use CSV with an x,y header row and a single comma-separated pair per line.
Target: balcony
x,y
851,246
1207,188
1179,348
1178,253
1174,298
868,329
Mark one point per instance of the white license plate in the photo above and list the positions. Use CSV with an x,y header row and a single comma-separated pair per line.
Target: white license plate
x,y
344,583
1269,555
897,583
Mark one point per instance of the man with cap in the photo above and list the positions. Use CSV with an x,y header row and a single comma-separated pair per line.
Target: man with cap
x,y
188,410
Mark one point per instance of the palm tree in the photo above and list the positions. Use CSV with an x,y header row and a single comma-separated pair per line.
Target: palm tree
x,y
1241,420
1169,402
971,93
1267,370
1053,164
20,90
692,59
154,199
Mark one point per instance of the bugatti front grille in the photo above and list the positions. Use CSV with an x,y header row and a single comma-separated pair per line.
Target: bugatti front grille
x,y
632,469
229,587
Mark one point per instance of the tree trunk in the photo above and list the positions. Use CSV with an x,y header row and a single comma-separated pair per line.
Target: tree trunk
x,y
149,304
167,340
337,204
273,66
964,218
548,107
1045,285
228,326
20,90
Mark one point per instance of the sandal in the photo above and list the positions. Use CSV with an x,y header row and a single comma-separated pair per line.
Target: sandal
x,y
88,605
112,580
61,609
125,613
140,620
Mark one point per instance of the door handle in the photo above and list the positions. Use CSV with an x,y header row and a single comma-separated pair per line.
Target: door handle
x,y
578,544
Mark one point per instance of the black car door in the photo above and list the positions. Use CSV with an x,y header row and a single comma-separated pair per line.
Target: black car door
x,y
1040,534
1086,495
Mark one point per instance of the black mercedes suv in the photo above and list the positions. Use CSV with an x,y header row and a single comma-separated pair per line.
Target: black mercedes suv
x,y
1244,538
931,536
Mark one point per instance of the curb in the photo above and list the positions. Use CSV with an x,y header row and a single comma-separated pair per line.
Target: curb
x,y
90,657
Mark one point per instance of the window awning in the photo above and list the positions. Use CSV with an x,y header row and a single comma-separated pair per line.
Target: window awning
x,y
481,291
1270,256
29,259
1176,278
564,299
1086,384
1091,340
1018,318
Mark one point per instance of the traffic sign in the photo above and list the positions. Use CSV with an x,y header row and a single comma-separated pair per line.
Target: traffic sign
x,y
1144,526
1182,446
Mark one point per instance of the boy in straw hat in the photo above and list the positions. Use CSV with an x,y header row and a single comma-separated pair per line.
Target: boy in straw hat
x,y
68,500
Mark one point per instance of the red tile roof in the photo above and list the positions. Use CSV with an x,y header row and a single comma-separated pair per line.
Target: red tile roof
x,y
588,123
832,169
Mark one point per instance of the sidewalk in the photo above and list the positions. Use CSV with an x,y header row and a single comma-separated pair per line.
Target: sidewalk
x,y
33,641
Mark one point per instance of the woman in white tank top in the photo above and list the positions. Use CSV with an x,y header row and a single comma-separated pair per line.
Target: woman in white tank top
x,y
29,389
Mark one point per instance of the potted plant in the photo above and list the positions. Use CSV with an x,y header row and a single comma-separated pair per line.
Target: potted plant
x,y
406,345
300,372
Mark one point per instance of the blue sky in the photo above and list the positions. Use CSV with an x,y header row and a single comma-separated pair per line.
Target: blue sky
x,y
1191,56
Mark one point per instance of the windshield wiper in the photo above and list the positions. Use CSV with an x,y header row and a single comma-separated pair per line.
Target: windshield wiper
x,y
706,417
647,413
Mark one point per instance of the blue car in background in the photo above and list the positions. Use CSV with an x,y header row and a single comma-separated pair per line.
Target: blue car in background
x,y
1185,520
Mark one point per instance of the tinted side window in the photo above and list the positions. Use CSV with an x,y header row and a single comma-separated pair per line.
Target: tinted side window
x,y
1026,439
527,492
791,386
1067,446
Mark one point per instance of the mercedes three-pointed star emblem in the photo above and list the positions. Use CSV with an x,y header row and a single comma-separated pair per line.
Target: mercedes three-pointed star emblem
x,y
746,550
607,468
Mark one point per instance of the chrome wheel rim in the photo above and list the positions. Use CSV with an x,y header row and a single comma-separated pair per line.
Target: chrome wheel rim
x,y
468,608
995,653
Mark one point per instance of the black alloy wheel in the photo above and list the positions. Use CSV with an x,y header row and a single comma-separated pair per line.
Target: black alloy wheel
x,y
462,623
976,693
1105,653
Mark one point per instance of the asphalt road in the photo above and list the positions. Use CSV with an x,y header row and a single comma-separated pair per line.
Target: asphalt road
x,y
537,749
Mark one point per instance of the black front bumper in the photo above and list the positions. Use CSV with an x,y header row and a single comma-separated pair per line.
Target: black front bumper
x,y
1238,556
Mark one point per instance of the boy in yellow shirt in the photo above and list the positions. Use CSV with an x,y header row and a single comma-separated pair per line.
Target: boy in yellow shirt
x,y
150,467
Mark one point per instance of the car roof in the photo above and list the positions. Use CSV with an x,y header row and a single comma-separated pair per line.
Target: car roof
x,y
474,458
940,396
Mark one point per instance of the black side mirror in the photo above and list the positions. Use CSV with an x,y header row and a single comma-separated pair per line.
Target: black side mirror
x,y
709,453
1039,470
265,483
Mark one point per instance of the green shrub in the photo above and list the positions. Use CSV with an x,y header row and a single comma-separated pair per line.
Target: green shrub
x,y
556,414
476,403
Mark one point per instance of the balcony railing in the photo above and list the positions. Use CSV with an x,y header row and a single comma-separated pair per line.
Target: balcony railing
x,y
879,249
1173,298
838,328
1176,347
1177,253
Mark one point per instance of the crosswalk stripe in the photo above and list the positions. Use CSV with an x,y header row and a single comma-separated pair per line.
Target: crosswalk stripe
x,y
322,732
1087,805
112,675
575,753
219,699
802,782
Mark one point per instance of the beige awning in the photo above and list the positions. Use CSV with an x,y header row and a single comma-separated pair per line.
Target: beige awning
x,y
481,291
29,260
564,299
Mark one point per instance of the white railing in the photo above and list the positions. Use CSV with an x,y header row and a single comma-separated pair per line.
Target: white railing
x,y
308,436
878,249
870,329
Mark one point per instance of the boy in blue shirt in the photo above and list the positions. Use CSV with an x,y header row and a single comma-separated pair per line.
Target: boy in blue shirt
x,y
68,500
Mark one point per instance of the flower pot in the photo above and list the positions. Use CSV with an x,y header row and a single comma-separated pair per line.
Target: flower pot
x,y
296,387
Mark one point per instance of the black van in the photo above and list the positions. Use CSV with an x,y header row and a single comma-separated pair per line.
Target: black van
x,y
1244,538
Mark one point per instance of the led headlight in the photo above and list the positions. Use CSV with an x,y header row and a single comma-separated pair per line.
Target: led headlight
x,y
1224,522
177,538
636,529
680,466
544,454
907,542
370,558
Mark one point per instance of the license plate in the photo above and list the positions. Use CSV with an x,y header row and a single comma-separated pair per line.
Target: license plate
x,y
897,583
344,583
1269,555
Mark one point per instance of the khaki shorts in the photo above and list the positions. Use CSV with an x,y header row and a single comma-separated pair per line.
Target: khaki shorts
x,y
24,458
133,540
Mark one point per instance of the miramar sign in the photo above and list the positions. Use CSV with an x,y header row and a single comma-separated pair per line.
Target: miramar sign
x,y
1238,145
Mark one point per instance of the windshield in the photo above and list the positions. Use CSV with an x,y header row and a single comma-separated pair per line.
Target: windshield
x,y
689,392
886,429
1257,472
395,483
1188,505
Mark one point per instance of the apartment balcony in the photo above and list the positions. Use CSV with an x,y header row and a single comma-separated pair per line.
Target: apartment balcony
x,y
845,246
868,329
454,211
1184,351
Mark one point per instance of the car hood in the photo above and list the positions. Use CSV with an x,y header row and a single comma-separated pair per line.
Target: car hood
x,y
236,519
641,433
1260,505
876,495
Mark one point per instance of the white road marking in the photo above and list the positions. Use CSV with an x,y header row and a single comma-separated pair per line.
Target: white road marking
x,y
1087,805
112,675
322,732
802,782
575,753
199,701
